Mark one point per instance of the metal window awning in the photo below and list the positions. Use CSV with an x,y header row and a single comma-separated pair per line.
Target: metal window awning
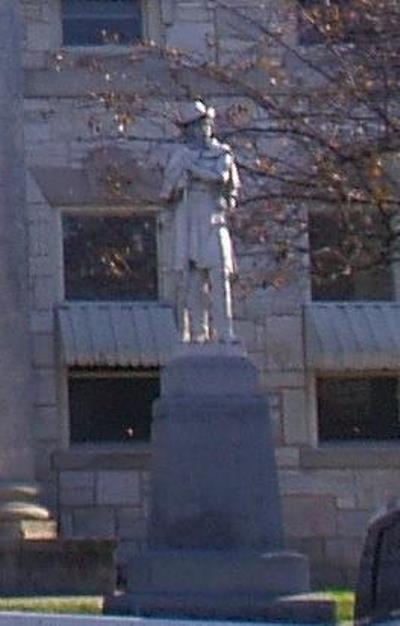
x,y
116,334
352,336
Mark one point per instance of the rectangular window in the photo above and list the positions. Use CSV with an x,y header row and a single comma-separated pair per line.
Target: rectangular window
x,y
358,408
349,256
111,406
110,258
97,22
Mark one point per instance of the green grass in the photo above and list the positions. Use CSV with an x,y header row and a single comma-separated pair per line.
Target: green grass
x,y
344,602
88,605
92,605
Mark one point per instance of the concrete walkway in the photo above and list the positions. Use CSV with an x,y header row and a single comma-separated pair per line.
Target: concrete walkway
x,y
38,619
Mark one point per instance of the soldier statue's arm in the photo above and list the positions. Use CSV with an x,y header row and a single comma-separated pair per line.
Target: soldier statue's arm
x,y
220,173
175,176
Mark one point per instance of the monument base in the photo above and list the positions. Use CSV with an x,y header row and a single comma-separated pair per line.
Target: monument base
x,y
303,608
57,566
215,532
220,585
218,572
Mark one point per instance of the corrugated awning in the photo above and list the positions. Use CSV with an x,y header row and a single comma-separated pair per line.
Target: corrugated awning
x,y
355,336
117,334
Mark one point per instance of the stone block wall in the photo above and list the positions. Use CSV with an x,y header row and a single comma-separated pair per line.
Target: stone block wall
x,y
42,30
329,492
104,494
327,499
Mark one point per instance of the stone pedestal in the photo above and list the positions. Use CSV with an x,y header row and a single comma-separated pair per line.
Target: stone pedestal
x,y
214,475
216,540
210,583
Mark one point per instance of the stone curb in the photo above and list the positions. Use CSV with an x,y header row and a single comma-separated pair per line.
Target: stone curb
x,y
39,619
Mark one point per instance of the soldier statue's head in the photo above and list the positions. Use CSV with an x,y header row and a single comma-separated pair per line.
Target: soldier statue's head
x,y
198,120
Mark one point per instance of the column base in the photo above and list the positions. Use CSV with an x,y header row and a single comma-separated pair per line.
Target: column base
x,y
21,515
34,560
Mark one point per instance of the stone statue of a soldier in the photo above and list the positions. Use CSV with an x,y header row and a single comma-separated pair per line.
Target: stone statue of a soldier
x,y
202,182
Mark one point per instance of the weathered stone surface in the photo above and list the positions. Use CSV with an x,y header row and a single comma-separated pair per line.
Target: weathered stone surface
x,y
299,608
287,456
45,387
328,575
246,331
43,455
14,341
194,36
284,342
334,482
216,544
352,523
135,458
66,524
344,552
219,572
42,321
279,380
118,487
94,522
309,516
76,82
59,567
43,292
69,186
76,488
371,457
296,412
374,488
232,495
347,502
313,547
47,425
17,382
131,524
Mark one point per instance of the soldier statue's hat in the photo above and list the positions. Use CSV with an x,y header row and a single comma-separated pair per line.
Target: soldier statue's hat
x,y
192,111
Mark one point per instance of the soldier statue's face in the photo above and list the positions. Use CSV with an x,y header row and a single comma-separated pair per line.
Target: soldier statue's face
x,y
201,131
207,126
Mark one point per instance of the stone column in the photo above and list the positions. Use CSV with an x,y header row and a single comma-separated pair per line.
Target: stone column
x,y
17,491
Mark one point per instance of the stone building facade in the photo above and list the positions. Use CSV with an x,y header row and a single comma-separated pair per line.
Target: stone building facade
x,y
95,479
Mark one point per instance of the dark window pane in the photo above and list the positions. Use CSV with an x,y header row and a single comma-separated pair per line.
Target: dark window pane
x,y
95,22
348,256
110,258
99,8
358,408
111,409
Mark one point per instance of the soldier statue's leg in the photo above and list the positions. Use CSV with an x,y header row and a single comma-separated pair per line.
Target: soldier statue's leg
x,y
221,304
197,304
181,290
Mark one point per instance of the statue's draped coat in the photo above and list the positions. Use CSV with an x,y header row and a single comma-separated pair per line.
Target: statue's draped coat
x,y
194,177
